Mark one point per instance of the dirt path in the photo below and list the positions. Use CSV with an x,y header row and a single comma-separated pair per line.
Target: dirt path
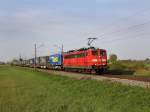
x,y
126,81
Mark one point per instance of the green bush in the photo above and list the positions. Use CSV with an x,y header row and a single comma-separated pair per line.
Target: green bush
x,y
130,67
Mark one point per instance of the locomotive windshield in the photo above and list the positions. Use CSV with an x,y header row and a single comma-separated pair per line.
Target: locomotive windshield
x,y
95,53
102,52
99,52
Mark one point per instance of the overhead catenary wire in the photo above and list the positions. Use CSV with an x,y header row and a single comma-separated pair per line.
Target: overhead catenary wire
x,y
123,19
120,30
127,37
117,31
122,36
127,28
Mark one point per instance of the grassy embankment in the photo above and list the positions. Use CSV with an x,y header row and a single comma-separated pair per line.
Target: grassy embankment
x,y
140,68
24,90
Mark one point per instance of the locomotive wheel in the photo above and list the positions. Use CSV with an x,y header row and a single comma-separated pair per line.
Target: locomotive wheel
x,y
99,71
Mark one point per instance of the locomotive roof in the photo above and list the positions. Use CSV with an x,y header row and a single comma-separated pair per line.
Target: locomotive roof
x,y
82,49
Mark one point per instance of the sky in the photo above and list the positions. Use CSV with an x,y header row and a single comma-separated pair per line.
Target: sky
x,y
121,26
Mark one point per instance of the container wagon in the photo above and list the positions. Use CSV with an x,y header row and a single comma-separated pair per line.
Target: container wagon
x,y
55,61
44,61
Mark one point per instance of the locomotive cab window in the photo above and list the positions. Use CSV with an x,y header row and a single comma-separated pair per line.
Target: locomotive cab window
x,y
103,53
95,53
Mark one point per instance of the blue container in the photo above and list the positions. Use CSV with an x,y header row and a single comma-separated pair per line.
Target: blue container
x,y
55,60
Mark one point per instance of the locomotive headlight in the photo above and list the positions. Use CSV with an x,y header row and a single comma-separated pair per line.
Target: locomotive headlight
x,y
94,60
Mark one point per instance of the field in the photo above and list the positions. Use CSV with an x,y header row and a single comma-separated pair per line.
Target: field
x,y
26,90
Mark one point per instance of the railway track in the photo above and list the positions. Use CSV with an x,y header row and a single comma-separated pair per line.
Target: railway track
x,y
123,79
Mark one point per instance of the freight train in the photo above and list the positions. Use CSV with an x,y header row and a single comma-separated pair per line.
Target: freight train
x,y
84,60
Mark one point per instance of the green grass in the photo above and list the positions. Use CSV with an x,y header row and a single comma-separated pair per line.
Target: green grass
x,y
24,90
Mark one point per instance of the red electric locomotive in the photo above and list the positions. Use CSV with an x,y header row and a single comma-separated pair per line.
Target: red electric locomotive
x,y
90,59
